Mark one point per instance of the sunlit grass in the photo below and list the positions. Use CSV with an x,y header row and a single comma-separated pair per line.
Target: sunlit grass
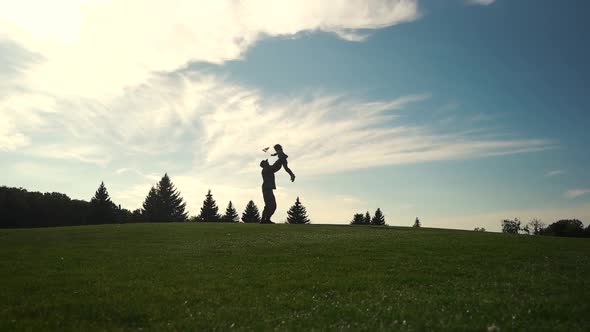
x,y
199,276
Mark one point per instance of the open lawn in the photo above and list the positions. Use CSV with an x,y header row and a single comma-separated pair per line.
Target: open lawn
x,y
202,276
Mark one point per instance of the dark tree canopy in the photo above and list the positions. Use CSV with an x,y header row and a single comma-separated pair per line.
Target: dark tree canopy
x,y
209,210
297,214
367,220
21,208
251,213
378,218
164,203
152,210
566,227
231,215
511,226
102,209
417,223
358,219
172,203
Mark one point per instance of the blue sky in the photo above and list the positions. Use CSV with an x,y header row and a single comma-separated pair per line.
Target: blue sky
x,y
457,112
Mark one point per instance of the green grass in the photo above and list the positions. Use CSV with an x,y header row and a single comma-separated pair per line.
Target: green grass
x,y
287,277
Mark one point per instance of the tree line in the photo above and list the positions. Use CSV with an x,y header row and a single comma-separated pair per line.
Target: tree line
x,y
163,203
563,227
377,220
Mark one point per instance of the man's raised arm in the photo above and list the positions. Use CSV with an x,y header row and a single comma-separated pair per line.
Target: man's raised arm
x,y
276,166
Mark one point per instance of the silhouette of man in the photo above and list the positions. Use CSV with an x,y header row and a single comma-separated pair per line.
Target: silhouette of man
x,y
268,187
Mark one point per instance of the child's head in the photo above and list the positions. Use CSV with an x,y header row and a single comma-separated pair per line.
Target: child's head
x,y
278,148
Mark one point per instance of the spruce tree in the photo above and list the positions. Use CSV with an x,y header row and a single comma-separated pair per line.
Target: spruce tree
x,y
102,209
152,207
367,220
417,223
297,214
251,213
378,218
231,215
209,210
172,204
358,219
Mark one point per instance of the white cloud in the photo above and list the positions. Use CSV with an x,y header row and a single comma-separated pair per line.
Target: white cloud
x,y
555,172
575,193
11,139
97,47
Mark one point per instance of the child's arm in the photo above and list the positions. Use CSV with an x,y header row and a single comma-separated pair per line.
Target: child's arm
x,y
286,166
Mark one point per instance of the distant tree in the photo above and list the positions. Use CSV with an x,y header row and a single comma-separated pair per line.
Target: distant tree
x,y
297,214
566,227
378,218
479,229
511,226
251,213
152,207
102,209
587,231
173,206
358,219
367,220
536,226
231,215
209,210
417,223
136,215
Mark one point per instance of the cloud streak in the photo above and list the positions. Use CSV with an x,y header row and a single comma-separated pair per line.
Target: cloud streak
x,y
575,193
482,2
554,173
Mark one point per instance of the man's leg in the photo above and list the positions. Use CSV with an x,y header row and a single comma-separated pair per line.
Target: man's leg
x,y
272,204
265,212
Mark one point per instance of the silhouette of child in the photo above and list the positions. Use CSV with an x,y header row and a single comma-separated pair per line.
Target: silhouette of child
x,y
283,160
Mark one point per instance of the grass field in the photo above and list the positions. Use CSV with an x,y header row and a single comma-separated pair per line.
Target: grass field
x,y
287,277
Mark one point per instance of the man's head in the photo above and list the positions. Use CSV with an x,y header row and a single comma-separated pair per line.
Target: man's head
x,y
264,163
278,148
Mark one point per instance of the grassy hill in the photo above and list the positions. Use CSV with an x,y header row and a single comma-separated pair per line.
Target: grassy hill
x,y
286,277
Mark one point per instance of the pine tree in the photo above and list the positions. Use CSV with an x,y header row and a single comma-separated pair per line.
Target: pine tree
x,y
367,220
231,215
172,204
152,206
209,210
164,203
297,214
417,223
102,209
251,214
378,218
358,219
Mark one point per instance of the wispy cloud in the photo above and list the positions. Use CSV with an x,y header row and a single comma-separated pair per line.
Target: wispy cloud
x,y
554,173
92,154
575,193
223,125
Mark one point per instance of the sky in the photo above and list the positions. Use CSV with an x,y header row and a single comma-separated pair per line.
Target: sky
x,y
459,112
